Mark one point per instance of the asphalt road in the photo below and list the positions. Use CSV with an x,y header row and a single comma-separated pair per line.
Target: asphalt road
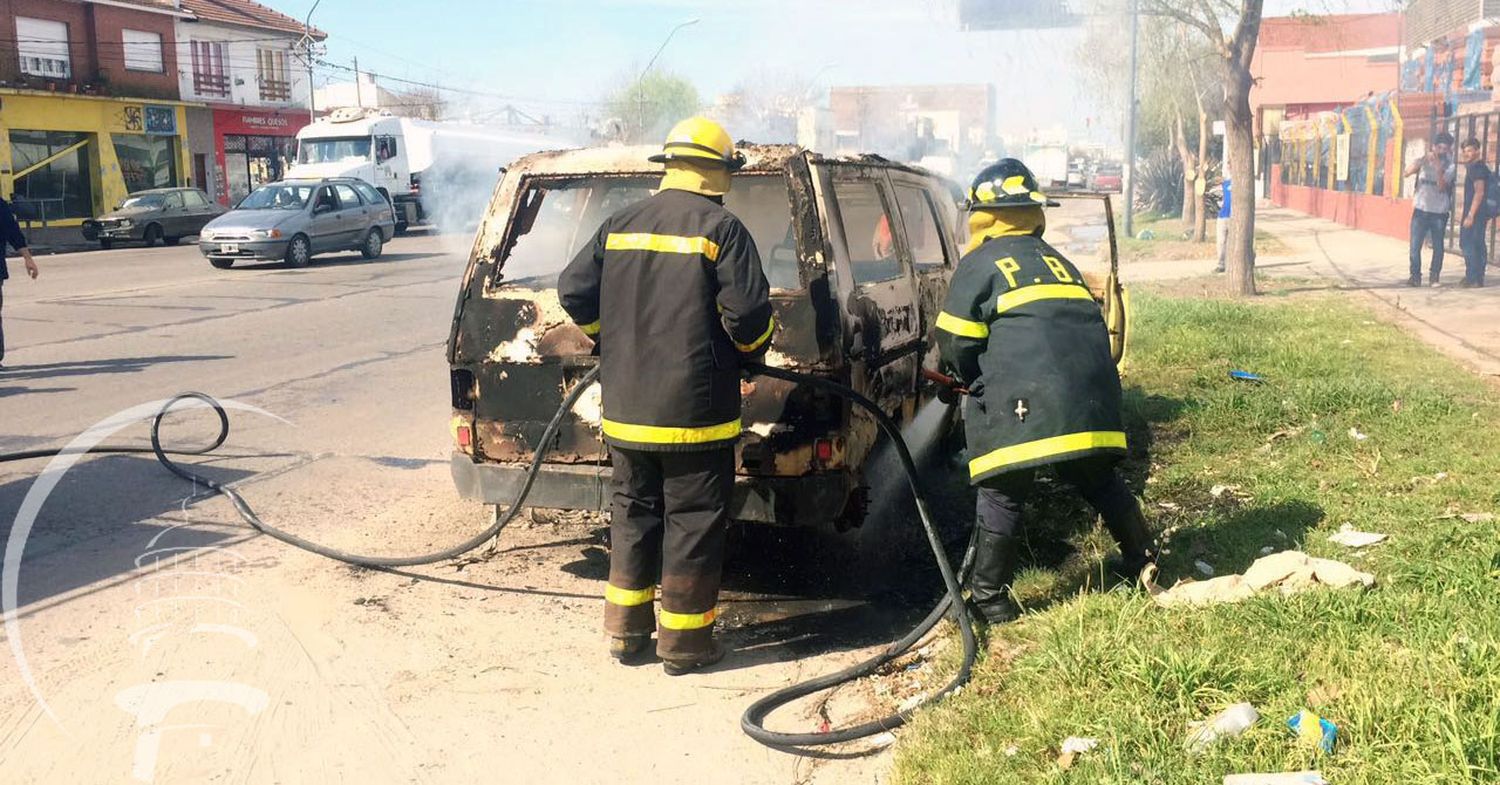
x,y
154,637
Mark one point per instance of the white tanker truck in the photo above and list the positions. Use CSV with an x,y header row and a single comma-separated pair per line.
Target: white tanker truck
x,y
433,172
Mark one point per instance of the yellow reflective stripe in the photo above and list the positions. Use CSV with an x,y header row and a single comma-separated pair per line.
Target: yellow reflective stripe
x,y
686,621
950,323
1016,298
1045,448
666,243
758,342
615,595
592,328
660,434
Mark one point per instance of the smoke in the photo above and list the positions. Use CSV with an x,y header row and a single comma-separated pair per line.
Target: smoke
x,y
468,160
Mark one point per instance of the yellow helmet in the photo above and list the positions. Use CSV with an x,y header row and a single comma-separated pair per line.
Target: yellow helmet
x,y
700,140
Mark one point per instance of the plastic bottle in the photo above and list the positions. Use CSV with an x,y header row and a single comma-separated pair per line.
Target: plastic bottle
x,y
1228,723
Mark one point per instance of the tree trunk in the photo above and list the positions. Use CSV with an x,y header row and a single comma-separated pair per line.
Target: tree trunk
x,y
1201,224
1240,143
1179,135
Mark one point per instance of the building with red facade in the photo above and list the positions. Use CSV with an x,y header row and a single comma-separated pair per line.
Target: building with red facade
x,y
241,62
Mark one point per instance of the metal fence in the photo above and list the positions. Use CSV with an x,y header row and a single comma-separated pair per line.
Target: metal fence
x,y
1485,128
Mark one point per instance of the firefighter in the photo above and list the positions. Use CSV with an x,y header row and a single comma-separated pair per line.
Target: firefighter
x,y
1021,330
671,289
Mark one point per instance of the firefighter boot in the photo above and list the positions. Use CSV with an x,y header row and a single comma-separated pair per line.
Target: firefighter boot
x,y
989,584
1137,548
628,649
680,667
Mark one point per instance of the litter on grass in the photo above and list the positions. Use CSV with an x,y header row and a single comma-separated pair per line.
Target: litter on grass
x,y
1350,537
1357,435
1072,747
1204,567
1313,731
1288,572
1279,778
1246,376
1226,724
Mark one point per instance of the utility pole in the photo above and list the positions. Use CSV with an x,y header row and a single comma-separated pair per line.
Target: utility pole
x,y
640,94
1130,112
308,43
359,93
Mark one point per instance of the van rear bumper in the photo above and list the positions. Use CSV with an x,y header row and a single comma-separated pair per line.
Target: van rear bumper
x,y
813,500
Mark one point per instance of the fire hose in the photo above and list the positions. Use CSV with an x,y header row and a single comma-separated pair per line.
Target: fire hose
x,y
753,720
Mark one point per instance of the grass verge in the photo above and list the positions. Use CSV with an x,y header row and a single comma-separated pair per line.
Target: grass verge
x,y
1409,671
1167,243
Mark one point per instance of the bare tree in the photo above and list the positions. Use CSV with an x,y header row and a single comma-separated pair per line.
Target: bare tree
x,y
1232,28
423,103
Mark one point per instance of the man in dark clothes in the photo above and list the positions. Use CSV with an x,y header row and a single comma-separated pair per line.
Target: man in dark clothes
x,y
10,235
1022,331
1475,217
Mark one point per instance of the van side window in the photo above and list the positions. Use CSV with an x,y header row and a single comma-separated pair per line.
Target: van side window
x,y
923,227
867,231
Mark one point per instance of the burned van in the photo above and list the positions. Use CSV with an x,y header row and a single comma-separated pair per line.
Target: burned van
x,y
858,252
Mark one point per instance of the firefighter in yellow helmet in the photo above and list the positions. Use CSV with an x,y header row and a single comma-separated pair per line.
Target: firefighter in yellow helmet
x,y
1022,331
672,290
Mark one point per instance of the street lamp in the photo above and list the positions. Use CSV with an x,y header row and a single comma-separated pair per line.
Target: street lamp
x,y
640,95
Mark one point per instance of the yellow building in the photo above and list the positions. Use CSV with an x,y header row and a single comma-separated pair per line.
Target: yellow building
x,y
67,158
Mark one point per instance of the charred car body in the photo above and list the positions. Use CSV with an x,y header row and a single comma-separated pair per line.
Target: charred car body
x,y
858,252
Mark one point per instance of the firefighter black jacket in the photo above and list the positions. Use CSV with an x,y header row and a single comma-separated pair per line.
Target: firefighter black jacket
x,y
672,289
1021,329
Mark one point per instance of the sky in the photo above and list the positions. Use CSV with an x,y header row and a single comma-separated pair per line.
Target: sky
x,y
560,57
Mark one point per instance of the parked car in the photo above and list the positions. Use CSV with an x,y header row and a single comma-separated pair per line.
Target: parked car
x,y
295,219
1107,179
858,252
160,215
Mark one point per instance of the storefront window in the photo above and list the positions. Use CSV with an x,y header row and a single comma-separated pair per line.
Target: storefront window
x,y
252,161
146,161
63,187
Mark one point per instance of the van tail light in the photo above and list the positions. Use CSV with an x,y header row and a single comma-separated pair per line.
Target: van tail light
x,y
465,436
823,448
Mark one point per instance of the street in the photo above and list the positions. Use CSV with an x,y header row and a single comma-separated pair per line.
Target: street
x,y
157,637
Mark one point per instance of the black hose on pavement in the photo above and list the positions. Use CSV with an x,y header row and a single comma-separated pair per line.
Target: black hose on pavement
x,y
753,720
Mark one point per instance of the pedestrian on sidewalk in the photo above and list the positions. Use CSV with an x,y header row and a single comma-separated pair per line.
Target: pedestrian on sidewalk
x,y
1475,216
1430,207
1221,226
10,235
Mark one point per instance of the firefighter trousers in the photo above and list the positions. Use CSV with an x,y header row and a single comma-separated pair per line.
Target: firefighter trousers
x,y
669,513
1001,498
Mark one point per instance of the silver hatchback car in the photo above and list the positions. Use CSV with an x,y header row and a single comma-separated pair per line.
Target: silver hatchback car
x,y
295,219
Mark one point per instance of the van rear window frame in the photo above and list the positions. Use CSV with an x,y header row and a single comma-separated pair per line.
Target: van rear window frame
x,y
529,184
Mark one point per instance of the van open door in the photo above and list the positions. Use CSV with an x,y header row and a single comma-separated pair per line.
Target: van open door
x,y
1083,228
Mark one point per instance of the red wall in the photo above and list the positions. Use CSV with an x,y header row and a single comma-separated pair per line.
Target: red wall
x,y
1378,214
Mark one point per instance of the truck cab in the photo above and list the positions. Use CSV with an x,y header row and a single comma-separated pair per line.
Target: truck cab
x,y
858,252
362,144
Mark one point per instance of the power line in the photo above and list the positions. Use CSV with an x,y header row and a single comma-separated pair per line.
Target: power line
x,y
466,91
84,42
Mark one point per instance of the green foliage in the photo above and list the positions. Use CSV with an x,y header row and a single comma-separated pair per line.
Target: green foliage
x,y
1409,671
1158,186
650,106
